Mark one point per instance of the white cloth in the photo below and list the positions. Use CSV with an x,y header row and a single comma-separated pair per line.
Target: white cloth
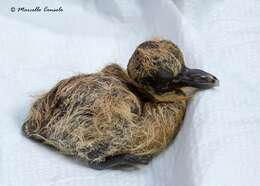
x,y
219,143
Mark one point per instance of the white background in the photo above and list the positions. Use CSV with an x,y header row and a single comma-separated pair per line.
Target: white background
x,y
219,143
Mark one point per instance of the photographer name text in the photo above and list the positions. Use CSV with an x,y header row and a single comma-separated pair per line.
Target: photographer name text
x,y
36,9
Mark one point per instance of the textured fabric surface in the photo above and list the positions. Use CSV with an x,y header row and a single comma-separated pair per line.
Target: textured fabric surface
x,y
219,143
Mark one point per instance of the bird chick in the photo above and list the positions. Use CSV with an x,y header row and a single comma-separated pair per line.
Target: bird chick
x,y
114,117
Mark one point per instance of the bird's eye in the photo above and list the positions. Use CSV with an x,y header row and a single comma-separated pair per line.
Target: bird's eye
x,y
176,79
159,81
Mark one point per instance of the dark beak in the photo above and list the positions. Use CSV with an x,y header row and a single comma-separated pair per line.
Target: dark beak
x,y
196,78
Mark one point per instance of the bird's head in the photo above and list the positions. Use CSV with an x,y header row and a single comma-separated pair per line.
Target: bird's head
x,y
158,68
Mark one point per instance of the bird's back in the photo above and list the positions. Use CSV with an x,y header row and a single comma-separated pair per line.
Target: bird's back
x,y
97,116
